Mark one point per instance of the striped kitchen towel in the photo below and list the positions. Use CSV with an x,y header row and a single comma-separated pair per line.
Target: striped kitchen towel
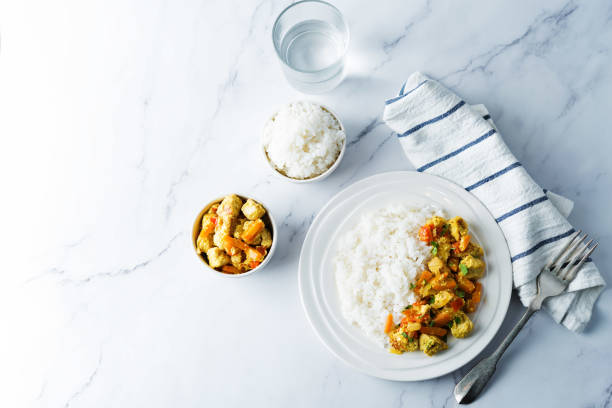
x,y
441,134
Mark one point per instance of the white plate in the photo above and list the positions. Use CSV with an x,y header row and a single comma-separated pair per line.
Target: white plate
x,y
317,285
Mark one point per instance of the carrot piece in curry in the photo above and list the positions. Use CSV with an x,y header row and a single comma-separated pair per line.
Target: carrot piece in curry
x,y
230,269
389,323
465,284
464,242
255,228
436,331
477,293
443,281
442,319
424,278
426,233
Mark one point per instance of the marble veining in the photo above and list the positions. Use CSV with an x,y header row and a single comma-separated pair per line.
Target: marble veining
x,y
122,119
550,24
84,386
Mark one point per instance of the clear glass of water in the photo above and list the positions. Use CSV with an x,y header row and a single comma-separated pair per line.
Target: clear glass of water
x,y
311,39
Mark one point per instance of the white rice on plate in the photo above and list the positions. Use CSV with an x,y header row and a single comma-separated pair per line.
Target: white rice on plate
x,y
303,140
376,261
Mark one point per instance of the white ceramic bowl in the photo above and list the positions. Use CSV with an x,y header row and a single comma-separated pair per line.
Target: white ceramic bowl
x,y
320,176
267,218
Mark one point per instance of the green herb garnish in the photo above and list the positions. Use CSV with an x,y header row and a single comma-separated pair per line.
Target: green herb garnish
x,y
406,336
444,229
431,300
464,269
460,293
412,286
457,320
434,249
408,307
430,323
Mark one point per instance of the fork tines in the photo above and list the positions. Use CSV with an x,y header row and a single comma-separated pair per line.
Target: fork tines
x,y
562,266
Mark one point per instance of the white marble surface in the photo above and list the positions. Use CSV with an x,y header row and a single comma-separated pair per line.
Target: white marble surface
x,y
117,118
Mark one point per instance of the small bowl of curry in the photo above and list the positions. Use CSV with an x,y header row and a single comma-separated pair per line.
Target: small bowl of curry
x,y
234,235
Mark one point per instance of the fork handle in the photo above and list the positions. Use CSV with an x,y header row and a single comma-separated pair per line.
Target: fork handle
x,y
472,384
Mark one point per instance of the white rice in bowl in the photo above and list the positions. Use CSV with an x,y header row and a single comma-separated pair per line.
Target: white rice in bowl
x,y
377,260
303,140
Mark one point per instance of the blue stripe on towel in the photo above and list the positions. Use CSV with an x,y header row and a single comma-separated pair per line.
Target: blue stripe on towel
x,y
402,90
436,119
401,95
493,176
456,152
541,244
521,208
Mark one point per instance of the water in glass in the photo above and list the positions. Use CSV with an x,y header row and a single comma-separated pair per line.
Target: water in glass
x,y
311,39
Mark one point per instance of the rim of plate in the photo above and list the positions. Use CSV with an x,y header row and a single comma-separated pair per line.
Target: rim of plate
x,y
330,336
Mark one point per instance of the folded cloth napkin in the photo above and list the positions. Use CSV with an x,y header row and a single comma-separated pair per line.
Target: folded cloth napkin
x,y
441,134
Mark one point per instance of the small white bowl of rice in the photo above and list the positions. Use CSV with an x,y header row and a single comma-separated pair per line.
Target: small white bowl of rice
x,y
303,142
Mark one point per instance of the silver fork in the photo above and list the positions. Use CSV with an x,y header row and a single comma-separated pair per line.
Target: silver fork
x,y
552,281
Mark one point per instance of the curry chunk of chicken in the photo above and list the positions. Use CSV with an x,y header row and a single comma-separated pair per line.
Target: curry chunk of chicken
x,y
266,238
402,342
239,228
217,257
423,310
229,207
253,210
237,260
204,242
461,326
444,248
475,267
458,227
437,265
475,250
426,290
224,228
472,249
436,221
441,299
209,222
430,344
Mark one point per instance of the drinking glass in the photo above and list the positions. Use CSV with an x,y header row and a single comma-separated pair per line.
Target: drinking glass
x,y
311,40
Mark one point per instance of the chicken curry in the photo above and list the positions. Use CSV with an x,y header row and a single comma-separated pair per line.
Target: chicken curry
x,y
447,290
234,238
